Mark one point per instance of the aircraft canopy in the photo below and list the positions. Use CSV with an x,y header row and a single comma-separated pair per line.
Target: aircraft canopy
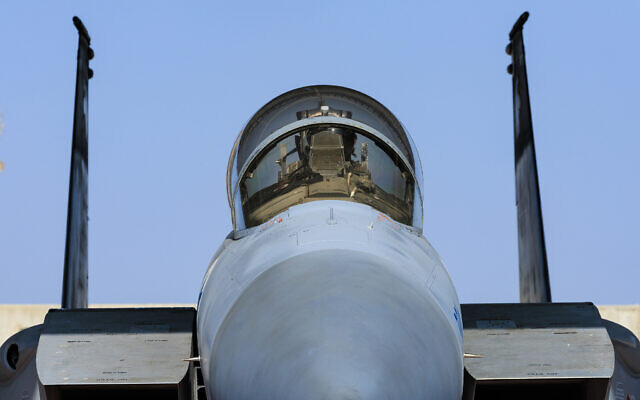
x,y
323,142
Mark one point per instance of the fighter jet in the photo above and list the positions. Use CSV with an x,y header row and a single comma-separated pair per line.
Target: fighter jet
x,y
326,288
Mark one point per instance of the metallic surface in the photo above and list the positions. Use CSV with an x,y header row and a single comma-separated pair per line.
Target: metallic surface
x,y
330,299
535,351
532,253
116,349
125,346
16,317
18,377
625,383
536,341
75,281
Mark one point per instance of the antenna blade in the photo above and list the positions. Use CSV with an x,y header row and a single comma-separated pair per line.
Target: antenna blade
x,y
76,273
532,254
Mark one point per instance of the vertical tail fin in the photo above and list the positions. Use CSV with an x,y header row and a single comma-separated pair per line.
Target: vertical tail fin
x,y
76,274
532,253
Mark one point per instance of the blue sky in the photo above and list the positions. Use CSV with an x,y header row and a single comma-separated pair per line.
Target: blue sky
x,y
174,84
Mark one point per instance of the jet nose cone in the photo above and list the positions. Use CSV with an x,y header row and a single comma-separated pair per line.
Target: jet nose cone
x,y
337,325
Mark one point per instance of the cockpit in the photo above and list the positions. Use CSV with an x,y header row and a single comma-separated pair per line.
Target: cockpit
x,y
323,143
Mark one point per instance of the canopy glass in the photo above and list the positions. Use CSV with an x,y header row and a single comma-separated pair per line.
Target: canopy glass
x,y
323,142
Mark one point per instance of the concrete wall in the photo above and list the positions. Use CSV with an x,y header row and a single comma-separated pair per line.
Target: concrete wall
x,y
627,316
15,317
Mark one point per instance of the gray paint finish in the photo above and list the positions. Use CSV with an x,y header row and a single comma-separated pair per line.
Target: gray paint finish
x,y
75,284
115,346
626,376
532,253
330,299
536,342
19,380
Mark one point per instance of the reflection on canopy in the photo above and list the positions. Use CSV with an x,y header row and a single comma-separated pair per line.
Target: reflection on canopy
x,y
322,100
323,142
322,162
